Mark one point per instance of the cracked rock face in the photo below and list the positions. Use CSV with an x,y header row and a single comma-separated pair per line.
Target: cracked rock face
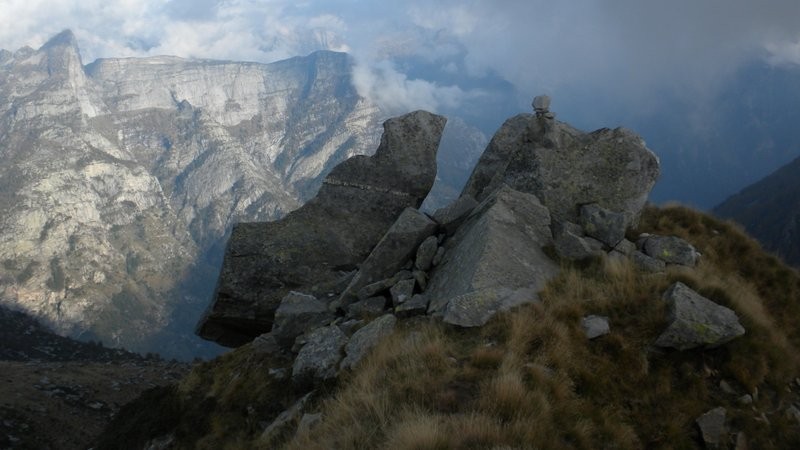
x,y
566,168
311,249
121,177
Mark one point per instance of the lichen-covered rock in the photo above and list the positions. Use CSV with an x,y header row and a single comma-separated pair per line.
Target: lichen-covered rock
x,y
695,321
494,261
336,230
394,249
671,250
566,168
606,226
366,338
297,314
319,356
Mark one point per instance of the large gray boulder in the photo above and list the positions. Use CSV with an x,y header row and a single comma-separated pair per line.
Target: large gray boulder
x,y
494,261
310,249
695,321
394,250
366,338
566,168
318,358
297,314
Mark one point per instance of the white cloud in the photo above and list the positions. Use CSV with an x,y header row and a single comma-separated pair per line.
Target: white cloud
x,y
397,93
784,52
626,48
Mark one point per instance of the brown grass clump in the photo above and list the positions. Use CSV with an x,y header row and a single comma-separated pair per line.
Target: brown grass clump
x,y
531,379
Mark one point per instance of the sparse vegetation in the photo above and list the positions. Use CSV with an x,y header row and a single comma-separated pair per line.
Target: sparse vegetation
x,y
531,379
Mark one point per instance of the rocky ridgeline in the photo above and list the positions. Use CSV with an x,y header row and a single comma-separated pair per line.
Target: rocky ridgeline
x,y
324,284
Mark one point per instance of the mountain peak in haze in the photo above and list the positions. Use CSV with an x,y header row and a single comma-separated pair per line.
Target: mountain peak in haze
x,y
118,178
64,38
770,211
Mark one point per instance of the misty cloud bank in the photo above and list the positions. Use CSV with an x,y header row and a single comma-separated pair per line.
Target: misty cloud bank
x,y
627,48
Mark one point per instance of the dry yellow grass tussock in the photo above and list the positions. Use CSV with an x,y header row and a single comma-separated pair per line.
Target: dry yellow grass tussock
x,y
531,379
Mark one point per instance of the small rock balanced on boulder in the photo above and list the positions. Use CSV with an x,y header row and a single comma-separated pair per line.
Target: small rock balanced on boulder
x,y
541,106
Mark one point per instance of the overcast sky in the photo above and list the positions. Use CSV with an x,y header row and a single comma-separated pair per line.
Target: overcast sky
x,y
629,49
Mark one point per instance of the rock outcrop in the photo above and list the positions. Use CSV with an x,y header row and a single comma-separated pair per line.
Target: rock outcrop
x,y
488,256
312,249
360,256
567,168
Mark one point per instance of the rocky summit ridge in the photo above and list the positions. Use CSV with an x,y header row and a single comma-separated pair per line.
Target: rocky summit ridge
x,y
360,241
501,320
120,179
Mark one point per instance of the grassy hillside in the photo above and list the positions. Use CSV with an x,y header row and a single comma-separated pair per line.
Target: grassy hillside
x,y
530,378
770,211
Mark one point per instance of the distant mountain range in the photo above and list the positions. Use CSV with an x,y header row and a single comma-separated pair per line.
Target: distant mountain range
x,y
770,211
120,179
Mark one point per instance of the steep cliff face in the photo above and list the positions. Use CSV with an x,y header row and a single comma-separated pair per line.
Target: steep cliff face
x,y
120,178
